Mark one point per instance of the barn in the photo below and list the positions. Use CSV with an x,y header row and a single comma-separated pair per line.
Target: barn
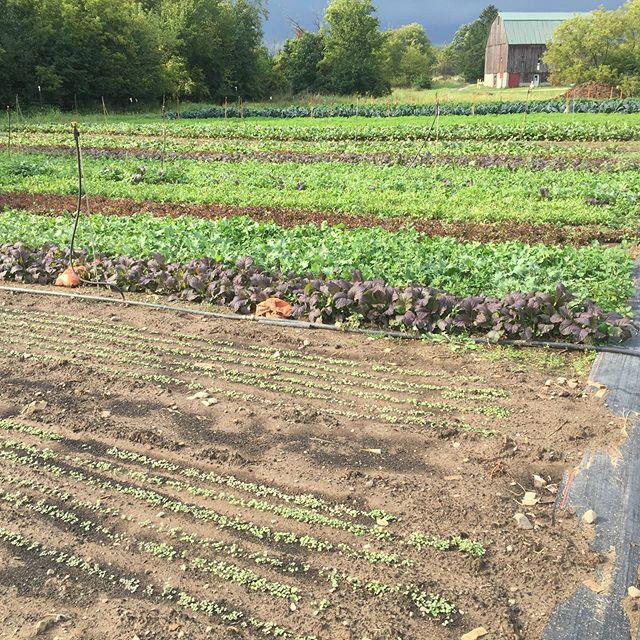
x,y
516,44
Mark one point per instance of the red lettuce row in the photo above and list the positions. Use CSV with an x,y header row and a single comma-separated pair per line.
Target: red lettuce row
x,y
524,316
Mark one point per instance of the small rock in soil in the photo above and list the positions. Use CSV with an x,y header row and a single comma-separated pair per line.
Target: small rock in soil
x,y
34,407
523,522
480,632
530,499
634,592
199,396
539,482
589,517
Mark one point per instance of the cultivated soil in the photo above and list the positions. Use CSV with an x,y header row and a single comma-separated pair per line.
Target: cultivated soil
x,y
165,476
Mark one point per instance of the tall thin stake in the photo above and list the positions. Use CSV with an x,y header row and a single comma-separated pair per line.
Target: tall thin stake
x,y
526,107
18,109
9,122
164,132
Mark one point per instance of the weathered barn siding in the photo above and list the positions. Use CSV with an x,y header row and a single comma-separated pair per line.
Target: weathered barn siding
x,y
527,61
515,47
496,55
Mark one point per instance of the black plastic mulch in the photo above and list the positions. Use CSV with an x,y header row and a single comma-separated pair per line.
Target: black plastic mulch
x,y
610,487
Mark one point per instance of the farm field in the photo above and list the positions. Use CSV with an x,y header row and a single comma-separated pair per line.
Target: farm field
x,y
166,475
161,477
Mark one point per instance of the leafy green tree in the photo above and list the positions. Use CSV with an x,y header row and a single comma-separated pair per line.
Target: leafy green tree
x,y
63,51
299,62
353,60
469,45
408,54
603,46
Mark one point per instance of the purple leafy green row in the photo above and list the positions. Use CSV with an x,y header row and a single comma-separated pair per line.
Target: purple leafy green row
x,y
482,161
548,316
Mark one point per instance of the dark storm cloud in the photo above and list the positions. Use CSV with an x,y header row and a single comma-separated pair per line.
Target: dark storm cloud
x,y
441,20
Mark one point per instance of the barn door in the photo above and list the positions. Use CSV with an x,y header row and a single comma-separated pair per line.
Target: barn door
x,y
514,80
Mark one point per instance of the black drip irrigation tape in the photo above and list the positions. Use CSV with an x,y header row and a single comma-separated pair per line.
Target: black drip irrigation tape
x,y
300,324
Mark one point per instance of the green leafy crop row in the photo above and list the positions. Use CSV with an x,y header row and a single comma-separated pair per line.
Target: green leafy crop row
x,y
504,127
602,274
629,105
451,193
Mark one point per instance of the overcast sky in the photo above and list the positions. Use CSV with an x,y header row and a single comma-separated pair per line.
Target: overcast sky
x,y
440,21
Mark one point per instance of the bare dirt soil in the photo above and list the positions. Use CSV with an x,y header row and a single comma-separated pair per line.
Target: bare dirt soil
x,y
164,476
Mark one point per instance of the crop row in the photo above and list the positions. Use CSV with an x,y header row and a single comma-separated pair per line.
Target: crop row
x,y
302,361
591,157
537,127
455,193
44,461
188,548
196,488
306,500
524,232
557,105
421,158
277,366
64,468
106,576
398,258
419,412
384,415
372,303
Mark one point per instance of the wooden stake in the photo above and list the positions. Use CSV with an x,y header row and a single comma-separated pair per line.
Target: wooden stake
x,y
473,106
526,107
9,121
105,113
226,107
164,131
18,109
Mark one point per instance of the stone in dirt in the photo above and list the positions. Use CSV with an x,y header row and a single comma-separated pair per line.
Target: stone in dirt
x,y
199,396
34,407
633,592
479,632
523,522
539,482
45,624
589,517
530,499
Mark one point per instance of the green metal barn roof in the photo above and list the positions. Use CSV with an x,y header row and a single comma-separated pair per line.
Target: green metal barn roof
x,y
532,28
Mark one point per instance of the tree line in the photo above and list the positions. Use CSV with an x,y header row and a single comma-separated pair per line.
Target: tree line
x,y
66,52
73,53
